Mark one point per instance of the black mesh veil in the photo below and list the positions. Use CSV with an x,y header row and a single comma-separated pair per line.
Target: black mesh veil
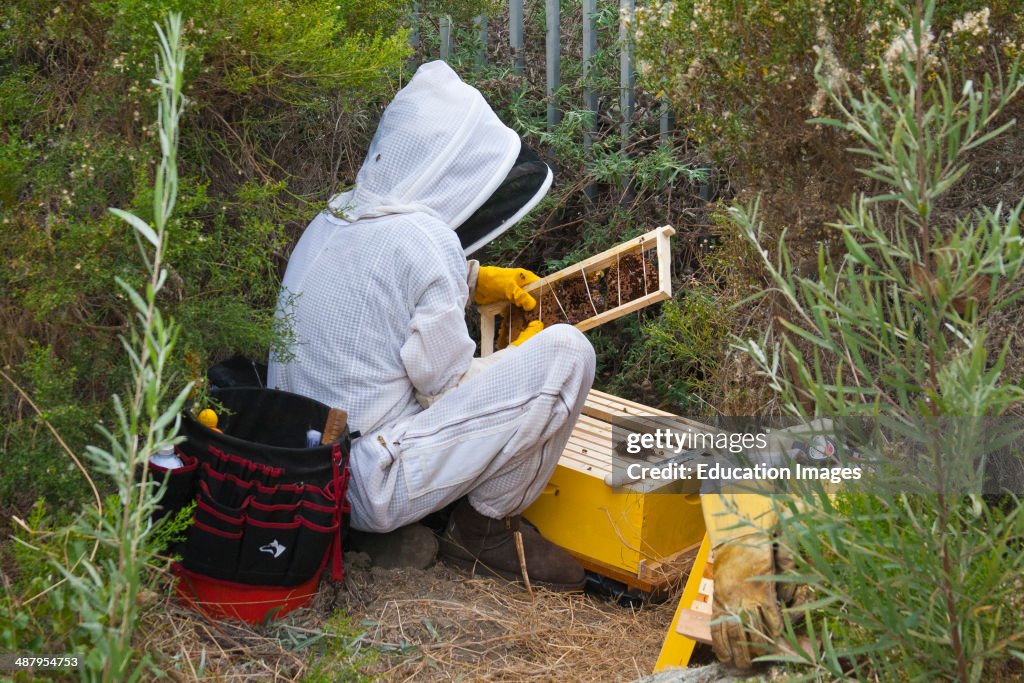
x,y
524,186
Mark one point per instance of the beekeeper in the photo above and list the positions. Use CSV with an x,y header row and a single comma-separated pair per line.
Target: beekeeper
x,y
375,293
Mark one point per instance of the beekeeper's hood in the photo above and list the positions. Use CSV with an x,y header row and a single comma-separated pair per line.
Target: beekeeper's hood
x,y
440,149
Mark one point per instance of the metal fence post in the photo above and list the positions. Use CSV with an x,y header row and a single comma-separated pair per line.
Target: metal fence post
x,y
665,133
626,83
589,49
515,34
446,37
665,128
480,22
414,28
626,77
589,93
553,57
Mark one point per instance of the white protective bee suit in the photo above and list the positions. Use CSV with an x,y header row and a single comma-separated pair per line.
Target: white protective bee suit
x,y
375,294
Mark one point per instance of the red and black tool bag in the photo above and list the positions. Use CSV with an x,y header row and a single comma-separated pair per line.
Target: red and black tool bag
x,y
270,511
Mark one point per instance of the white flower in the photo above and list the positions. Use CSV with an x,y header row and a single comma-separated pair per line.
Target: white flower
x,y
975,23
835,75
903,43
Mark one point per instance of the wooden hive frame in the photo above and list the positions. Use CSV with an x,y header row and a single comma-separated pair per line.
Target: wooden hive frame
x,y
635,416
657,239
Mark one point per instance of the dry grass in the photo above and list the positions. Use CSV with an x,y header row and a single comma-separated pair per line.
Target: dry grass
x,y
188,647
432,625
487,630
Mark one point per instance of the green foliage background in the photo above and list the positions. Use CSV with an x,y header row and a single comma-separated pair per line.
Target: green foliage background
x,y
743,78
279,95
283,98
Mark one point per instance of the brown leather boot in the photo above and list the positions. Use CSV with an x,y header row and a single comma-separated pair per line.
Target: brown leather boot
x,y
481,543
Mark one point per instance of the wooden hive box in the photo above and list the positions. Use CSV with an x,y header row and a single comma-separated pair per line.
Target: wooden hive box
x,y
636,533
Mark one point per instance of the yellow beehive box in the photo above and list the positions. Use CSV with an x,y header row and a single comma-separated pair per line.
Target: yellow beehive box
x,y
630,533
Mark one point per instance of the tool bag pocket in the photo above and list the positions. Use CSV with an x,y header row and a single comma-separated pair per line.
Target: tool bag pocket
x,y
241,468
315,539
292,537
215,537
315,505
270,511
180,481
267,551
224,489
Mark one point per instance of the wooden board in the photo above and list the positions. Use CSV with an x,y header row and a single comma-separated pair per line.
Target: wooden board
x,y
694,621
655,242
695,625
678,646
592,447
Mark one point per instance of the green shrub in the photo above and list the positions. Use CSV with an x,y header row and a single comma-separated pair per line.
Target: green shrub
x,y
736,70
83,576
743,78
277,93
31,462
34,612
337,653
918,583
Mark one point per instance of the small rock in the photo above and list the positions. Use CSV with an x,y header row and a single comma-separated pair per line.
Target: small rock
x,y
711,673
355,560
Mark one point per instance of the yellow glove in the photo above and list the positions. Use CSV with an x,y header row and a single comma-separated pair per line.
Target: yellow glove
x,y
737,599
758,604
504,284
533,328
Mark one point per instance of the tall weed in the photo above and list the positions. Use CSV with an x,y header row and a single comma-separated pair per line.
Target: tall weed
x,y
102,556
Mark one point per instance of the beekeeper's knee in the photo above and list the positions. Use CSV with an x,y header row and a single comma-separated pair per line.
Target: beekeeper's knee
x,y
566,342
